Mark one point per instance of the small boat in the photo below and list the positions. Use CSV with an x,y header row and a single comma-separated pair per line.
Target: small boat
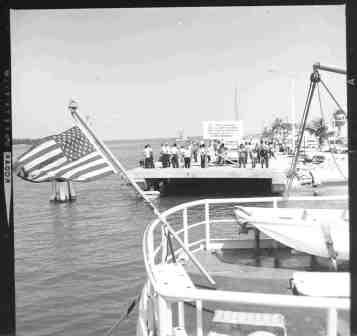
x,y
305,230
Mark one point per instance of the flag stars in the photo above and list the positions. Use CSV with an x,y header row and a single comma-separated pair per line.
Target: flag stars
x,y
74,143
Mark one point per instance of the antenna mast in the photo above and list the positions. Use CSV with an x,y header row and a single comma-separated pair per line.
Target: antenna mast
x,y
236,103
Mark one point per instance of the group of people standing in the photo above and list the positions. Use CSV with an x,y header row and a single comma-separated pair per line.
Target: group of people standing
x,y
180,156
257,154
216,152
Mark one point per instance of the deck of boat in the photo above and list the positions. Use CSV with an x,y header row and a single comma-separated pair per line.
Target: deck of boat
x,y
230,274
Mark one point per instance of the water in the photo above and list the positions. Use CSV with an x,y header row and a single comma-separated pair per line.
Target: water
x,y
78,265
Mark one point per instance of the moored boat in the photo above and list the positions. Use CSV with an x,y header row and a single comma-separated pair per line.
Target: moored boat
x,y
305,230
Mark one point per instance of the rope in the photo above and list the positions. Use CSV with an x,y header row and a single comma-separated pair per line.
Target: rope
x,y
328,141
124,315
169,242
332,96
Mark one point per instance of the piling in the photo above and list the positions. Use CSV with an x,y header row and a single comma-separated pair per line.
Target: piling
x,y
62,192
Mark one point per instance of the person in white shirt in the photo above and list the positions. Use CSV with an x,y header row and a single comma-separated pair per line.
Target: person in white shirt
x,y
165,156
181,153
211,153
187,157
148,157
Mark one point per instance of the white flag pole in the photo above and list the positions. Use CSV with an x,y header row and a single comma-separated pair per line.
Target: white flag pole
x,y
102,148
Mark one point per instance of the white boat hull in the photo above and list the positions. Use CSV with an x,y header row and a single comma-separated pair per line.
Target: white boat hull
x,y
301,229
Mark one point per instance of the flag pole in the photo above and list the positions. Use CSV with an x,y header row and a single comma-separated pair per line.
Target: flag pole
x,y
102,148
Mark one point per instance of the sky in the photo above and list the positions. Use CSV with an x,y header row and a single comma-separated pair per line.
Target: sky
x,y
151,72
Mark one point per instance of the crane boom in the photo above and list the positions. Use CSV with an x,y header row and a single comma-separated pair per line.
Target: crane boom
x,y
318,66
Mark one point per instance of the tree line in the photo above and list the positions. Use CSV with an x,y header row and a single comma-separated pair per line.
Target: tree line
x,y
317,126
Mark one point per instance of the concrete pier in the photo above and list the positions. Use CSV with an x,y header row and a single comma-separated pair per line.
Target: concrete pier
x,y
211,179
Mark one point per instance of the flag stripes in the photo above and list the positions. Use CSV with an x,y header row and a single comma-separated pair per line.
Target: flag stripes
x,y
48,164
93,174
67,167
37,151
85,168
46,157
68,156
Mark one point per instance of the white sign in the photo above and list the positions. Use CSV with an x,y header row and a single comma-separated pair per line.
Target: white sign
x,y
225,131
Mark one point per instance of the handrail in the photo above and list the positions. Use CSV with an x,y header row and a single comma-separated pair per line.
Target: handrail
x,y
257,298
238,297
249,200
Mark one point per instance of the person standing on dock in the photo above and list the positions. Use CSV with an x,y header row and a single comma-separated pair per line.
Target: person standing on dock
x,y
165,156
203,155
211,153
161,158
187,157
254,156
222,152
151,163
249,149
271,151
242,154
264,155
174,156
181,156
246,149
195,150
148,157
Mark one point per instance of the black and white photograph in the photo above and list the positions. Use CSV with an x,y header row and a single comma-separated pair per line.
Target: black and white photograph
x,y
180,171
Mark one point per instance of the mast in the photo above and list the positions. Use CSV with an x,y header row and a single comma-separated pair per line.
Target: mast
x,y
236,103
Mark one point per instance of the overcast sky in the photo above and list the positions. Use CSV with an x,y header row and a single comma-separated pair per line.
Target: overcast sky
x,y
144,73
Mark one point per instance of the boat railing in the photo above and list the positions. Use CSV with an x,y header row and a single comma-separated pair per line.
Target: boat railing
x,y
157,252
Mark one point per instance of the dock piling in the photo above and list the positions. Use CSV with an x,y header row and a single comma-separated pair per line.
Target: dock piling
x,y
62,191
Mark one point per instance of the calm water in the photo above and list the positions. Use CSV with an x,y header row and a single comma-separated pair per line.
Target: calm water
x,y
78,265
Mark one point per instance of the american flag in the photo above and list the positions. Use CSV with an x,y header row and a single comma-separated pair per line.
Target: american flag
x,y
68,156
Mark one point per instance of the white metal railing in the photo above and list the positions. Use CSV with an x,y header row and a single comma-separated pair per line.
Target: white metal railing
x,y
166,298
